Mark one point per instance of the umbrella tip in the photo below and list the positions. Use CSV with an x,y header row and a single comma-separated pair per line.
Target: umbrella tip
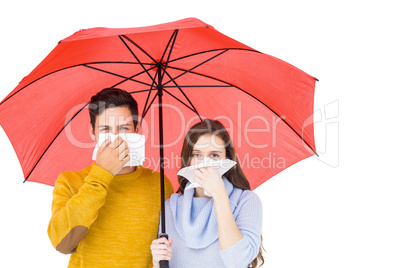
x,y
316,79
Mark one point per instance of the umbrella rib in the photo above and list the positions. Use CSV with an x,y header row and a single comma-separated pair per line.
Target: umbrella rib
x,y
145,106
118,75
140,91
190,71
152,78
207,86
156,94
231,85
105,62
174,35
213,50
280,117
198,65
112,62
204,75
235,48
37,162
181,101
140,48
144,112
135,56
30,83
146,103
47,148
131,77
179,87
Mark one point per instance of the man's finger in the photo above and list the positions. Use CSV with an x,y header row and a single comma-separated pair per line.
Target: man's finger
x,y
116,143
105,143
125,156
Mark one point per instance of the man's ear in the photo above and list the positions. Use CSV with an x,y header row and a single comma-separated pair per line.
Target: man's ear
x,y
137,128
91,132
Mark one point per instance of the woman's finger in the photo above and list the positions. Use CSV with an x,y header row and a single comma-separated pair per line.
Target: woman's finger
x,y
162,243
198,172
161,249
160,246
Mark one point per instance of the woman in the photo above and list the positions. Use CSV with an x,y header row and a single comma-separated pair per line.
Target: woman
x,y
223,230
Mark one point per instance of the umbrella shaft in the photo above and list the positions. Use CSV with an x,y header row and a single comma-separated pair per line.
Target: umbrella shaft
x,y
162,170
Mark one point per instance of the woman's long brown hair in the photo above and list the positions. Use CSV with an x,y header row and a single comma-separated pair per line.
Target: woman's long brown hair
x,y
235,175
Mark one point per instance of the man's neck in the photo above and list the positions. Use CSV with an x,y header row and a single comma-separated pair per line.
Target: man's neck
x,y
127,170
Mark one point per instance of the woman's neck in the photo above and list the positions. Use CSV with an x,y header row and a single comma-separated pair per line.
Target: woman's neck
x,y
199,192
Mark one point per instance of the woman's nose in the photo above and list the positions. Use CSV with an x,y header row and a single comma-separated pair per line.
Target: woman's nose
x,y
199,159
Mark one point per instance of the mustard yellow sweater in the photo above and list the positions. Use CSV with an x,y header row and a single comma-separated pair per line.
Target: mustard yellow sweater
x,y
105,220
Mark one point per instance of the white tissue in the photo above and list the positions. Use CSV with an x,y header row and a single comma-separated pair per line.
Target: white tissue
x,y
136,146
222,166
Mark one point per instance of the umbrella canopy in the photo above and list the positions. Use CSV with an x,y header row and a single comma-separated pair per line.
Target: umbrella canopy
x,y
190,67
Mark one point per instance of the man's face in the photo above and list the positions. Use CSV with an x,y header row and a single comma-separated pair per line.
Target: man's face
x,y
113,120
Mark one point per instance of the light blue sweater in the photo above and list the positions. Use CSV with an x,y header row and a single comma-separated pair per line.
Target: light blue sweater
x,y
191,223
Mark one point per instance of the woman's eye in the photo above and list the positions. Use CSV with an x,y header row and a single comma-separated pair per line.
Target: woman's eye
x,y
196,155
214,155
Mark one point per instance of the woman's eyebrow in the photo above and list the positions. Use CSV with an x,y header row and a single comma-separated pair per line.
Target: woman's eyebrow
x,y
198,151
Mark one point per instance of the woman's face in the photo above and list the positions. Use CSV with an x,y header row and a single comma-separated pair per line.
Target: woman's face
x,y
208,145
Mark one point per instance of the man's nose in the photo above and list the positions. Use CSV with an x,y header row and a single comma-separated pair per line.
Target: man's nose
x,y
114,131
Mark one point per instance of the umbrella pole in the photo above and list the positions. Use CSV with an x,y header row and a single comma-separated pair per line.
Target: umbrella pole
x,y
164,263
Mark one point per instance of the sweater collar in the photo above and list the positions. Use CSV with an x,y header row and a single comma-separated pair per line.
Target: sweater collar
x,y
129,176
195,217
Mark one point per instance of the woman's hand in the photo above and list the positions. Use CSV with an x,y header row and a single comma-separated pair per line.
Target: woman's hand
x,y
161,250
210,180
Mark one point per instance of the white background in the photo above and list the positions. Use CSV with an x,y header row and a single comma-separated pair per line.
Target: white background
x,y
339,210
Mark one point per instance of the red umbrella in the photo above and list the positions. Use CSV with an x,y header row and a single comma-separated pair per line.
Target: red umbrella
x,y
190,67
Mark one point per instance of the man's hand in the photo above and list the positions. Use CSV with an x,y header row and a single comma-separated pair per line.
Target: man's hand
x,y
112,156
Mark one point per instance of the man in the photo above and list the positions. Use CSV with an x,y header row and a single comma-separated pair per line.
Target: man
x,y
107,215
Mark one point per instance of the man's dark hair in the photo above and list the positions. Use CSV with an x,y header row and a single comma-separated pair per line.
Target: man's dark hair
x,y
109,98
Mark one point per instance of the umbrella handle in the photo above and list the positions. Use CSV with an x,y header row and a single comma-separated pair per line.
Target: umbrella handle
x,y
164,263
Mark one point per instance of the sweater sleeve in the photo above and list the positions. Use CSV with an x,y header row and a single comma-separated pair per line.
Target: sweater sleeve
x,y
73,211
249,222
